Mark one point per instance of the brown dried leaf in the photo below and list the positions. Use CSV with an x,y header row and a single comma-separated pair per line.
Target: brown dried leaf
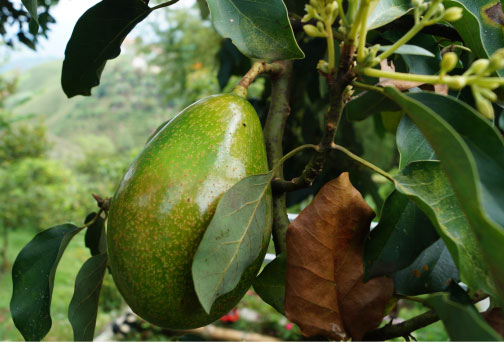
x,y
325,294
401,85
495,317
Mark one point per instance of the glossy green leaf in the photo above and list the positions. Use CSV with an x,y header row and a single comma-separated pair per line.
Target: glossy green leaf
x,y
33,279
233,239
259,29
95,238
460,318
96,38
387,11
411,143
425,183
481,26
368,103
407,49
31,6
403,232
432,271
472,155
83,308
270,284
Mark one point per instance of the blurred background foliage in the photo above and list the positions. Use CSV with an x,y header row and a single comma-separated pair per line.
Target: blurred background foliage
x,y
55,152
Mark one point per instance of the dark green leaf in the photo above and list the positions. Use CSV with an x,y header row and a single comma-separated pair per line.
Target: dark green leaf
x,y
33,279
407,49
411,143
31,6
233,239
270,284
403,233
203,7
481,26
231,62
460,318
472,155
96,38
368,103
259,29
387,11
432,271
427,185
95,238
83,308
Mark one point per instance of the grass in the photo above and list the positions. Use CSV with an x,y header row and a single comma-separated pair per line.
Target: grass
x,y
75,255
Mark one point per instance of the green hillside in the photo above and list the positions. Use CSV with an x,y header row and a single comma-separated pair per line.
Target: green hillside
x,y
124,109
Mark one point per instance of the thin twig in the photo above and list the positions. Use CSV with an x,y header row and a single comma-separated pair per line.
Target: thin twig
x,y
164,4
273,132
256,69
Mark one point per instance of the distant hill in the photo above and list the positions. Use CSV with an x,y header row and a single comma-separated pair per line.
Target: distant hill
x,y
126,108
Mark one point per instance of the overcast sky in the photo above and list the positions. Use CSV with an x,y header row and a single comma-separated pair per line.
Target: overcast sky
x,y
66,14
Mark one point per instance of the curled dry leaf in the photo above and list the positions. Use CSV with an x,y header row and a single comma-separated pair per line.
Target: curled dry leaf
x,y
401,85
325,292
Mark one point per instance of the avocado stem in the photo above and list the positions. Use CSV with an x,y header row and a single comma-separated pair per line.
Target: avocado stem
x,y
256,69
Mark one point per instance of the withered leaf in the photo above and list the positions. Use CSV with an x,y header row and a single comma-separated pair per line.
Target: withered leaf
x,y
325,294
495,317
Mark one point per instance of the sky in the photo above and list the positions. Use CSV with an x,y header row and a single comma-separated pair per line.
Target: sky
x,y
66,13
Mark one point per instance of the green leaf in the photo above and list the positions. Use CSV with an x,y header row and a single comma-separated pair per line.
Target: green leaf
x,y
409,50
95,238
31,6
411,143
387,11
368,103
83,308
403,232
259,29
472,155
233,239
432,271
426,184
481,26
96,38
270,284
460,318
33,279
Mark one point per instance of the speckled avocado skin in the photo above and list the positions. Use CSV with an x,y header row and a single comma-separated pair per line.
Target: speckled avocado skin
x,y
167,199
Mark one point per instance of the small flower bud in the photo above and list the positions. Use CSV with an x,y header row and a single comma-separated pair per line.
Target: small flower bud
x,y
449,62
452,14
488,94
458,82
417,3
306,18
312,31
323,66
314,3
497,60
485,107
320,26
479,66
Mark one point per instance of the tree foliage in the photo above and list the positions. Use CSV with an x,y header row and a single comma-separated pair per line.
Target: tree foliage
x,y
404,95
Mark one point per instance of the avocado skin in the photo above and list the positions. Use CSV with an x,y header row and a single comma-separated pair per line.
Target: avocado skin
x,y
166,200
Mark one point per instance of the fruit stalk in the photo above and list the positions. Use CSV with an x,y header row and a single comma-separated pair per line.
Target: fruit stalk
x,y
256,69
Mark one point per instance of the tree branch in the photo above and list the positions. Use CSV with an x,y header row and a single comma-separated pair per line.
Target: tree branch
x,y
402,329
273,132
345,75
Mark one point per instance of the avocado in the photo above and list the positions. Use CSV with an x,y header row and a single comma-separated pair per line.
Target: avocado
x,y
166,200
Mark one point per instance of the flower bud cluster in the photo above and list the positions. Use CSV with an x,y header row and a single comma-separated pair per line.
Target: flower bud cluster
x,y
325,12
481,88
434,11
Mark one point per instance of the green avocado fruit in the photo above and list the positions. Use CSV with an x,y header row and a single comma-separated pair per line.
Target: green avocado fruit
x,y
166,200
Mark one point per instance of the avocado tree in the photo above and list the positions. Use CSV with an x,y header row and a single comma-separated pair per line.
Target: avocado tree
x,y
186,231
